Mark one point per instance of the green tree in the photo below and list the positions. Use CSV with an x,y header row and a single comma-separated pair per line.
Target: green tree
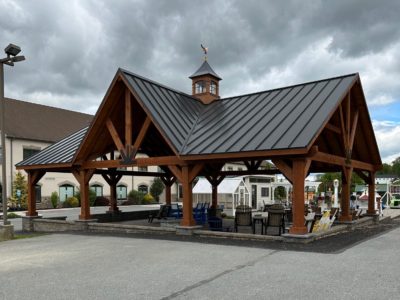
x,y
54,199
156,188
280,193
19,191
396,166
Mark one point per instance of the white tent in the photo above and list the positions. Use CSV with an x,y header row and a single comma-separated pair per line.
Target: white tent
x,y
231,193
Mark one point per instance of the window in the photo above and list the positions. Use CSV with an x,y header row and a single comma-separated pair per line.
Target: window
x,y
38,193
180,191
66,191
230,168
200,87
98,189
27,152
213,88
240,169
121,192
264,192
143,188
142,169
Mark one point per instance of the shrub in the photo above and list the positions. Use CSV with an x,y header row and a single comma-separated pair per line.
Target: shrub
x,y
13,215
147,199
135,197
54,199
157,188
71,202
101,201
92,197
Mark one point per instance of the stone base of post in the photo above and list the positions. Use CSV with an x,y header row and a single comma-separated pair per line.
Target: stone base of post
x,y
6,232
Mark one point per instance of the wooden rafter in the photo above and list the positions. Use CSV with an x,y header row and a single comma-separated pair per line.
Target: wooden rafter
x,y
128,117
114,135
353,130
284,168
140,162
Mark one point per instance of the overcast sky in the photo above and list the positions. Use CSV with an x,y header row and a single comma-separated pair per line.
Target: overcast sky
x,y
74,48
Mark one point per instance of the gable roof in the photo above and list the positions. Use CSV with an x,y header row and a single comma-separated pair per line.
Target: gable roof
x,y
38,122
285,118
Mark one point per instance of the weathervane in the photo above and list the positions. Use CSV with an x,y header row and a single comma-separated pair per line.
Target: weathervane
x,y
205,50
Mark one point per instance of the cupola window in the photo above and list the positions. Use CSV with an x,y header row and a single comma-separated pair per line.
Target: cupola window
x,y
200,87
213,88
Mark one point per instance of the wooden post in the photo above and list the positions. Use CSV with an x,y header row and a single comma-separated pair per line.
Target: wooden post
x,y
298,176
345,199
168,182
371,194
214,196
113,198
33,179
168,194
187,219
214,180
112,179
83,177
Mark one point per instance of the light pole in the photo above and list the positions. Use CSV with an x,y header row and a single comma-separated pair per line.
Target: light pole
x,y
12,52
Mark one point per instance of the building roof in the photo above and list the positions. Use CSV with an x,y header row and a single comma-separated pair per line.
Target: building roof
x,y
205,69
26,120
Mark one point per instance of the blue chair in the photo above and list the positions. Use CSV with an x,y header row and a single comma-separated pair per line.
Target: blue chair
x,y
175,211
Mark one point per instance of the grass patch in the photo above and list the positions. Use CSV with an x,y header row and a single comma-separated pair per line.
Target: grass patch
x,y
20,236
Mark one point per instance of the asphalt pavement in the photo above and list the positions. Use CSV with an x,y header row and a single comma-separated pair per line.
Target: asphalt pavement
x,y
74,266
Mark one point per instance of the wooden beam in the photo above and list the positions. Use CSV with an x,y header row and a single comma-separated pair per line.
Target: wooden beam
x,y
348,117
353,130
363,176
333,128
194,171
284,168
341,161
141,162
128,117
177,172
342,126
141,134
114,135
257,172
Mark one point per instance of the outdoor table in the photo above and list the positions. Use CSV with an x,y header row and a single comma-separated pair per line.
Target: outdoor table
x,y
259,218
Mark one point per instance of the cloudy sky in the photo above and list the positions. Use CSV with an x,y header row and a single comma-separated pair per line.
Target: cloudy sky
x,y
73,48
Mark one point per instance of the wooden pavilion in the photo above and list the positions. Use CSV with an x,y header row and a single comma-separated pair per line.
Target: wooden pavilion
x,y
321,126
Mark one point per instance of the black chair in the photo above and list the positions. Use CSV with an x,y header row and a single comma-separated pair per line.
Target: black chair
x,y
215,224
162,213
276,218
243,216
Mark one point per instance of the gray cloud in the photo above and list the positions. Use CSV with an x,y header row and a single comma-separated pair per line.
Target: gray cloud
x,y
74,48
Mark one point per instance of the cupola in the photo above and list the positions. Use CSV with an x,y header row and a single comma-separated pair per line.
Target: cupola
x,y
205,82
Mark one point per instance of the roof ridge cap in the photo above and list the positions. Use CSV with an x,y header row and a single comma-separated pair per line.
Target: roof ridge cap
x,y
289,86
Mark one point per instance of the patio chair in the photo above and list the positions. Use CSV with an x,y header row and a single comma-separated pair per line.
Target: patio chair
x,y
276,218
243,216
175,211
161,214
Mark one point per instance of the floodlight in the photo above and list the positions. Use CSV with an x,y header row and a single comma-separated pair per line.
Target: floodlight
x,y
12,50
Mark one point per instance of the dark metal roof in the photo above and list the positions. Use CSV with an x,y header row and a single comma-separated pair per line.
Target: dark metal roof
x,y
58,153
175,112
284,118
205,69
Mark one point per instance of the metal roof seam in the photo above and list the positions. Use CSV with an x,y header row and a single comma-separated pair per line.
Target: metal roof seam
x,y
200,137
159,117
300,115
181,121
254,105
259,112
319,107
273,117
